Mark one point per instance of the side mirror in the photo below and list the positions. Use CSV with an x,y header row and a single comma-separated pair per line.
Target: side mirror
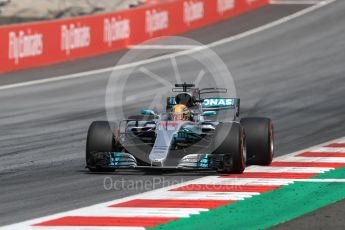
x,y
209,113
148,112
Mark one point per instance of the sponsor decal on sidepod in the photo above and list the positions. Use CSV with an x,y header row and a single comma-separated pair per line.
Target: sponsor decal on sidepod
x,y
216,102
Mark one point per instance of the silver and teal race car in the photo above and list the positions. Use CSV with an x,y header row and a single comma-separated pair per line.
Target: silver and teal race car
x,y
188,135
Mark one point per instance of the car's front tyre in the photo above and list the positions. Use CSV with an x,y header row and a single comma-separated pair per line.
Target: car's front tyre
x,y
229,140
100,138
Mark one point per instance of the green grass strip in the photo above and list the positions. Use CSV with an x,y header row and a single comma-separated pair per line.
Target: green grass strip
x,y
268,209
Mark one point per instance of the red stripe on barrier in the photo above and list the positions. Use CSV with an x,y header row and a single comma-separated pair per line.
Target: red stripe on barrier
x,y
224,188
164,203
271,175
106,221
307,164
336,145
321,154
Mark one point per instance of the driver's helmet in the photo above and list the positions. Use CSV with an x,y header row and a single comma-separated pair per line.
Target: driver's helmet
x,y
180,112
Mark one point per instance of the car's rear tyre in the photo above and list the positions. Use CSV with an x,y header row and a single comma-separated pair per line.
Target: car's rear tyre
x,y
259,140
229,140
100,138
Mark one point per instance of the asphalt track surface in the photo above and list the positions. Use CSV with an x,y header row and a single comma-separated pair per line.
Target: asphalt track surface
x,y
292,73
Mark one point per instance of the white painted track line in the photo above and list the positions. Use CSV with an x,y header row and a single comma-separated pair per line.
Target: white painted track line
x,y
163,47
245,181
329,149
314,159
286,169
322,180
202,195
142,212
293,156
79,228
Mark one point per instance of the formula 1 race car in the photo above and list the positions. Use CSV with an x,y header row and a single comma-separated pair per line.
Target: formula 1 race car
x,y
182,137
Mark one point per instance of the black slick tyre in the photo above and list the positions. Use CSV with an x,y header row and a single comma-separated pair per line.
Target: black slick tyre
x,y
259,140
229,139
100,138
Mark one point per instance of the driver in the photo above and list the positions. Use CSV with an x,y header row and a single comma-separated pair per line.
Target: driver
x,y
180,112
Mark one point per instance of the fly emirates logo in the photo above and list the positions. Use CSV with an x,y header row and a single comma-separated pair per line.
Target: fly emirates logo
x,y
156,20
74,37
24,44
225,5
192,11
115,30
251,1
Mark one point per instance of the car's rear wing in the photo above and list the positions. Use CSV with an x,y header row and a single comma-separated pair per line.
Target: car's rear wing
x,y
213,104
